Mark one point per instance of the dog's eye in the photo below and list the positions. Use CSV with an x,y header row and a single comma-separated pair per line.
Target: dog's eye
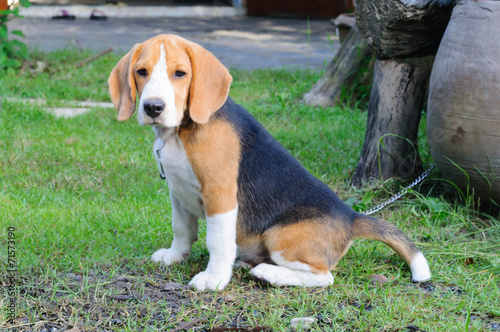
x,y
142,72
179,74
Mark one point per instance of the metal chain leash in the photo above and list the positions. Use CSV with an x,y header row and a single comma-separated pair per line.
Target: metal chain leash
x,y
402,192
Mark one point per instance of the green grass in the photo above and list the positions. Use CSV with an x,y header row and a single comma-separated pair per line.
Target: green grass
x,y
89,209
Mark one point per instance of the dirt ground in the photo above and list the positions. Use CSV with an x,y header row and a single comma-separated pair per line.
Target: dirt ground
x,y
103,302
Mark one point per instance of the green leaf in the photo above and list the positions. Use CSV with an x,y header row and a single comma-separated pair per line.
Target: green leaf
x,y
7,47
17,43
18,33
18,48
6,12
12,63
25,3
367,197
350,201
3,33
11,71
15,11
435,205
3,56
360,207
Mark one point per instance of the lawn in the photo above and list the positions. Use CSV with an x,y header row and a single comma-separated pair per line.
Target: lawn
x,y
86,209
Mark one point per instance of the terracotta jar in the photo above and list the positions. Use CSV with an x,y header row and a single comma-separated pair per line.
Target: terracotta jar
x,y
463,123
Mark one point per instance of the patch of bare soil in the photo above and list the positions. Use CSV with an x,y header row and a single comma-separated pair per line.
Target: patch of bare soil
x,y
101,302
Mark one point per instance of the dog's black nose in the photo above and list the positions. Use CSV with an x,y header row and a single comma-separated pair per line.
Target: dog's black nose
x,y
154,107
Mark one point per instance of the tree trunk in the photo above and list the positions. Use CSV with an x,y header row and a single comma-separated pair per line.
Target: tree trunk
x,y
340,72
396,103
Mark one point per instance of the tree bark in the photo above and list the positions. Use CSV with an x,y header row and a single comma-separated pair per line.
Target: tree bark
x,y
395,30
394,110
340,72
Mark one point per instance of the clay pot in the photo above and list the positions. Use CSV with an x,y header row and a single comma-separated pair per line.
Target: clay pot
x,y
463,123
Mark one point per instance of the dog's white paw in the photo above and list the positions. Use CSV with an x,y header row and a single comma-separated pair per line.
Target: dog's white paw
x,y
209,280
168,256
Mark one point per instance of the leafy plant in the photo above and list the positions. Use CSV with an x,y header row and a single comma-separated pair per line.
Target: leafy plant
x,y
12,51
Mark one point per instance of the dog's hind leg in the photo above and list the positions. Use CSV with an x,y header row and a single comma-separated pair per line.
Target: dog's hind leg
x,y
303,254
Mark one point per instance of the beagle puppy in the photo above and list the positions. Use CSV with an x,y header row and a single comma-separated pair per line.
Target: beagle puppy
x,y
222,165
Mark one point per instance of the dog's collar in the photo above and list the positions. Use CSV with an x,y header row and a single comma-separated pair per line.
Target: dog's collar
x,y
167,137
162,171
186,121
172,134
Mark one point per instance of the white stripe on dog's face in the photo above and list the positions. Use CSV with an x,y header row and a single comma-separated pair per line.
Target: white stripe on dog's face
x,y
160,87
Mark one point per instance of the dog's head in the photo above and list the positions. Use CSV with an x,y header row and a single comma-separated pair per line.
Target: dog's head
x,y
170,75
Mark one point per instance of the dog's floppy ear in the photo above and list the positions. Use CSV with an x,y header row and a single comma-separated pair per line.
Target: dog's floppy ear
x,y
210,84
122,88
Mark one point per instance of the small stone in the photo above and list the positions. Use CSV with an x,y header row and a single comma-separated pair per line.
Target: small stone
x,y
494,326
124,285
122,297
302,322
40,66
123,279
378,279
73,276
53,329
116,321
229,298
172,287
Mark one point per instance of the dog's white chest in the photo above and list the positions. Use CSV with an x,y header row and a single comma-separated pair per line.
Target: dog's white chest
x,y
182,181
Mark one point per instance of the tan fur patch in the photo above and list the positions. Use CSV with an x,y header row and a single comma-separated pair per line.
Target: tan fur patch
x,y
213,149
121,83
312,242
209,85
251,248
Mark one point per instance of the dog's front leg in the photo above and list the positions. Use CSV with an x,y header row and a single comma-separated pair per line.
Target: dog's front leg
x,y
214,154
221,244
185,227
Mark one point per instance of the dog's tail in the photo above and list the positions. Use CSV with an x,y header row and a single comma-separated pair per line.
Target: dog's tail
x,y
381,230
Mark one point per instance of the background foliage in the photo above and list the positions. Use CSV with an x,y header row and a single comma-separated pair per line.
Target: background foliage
x,y
12,50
